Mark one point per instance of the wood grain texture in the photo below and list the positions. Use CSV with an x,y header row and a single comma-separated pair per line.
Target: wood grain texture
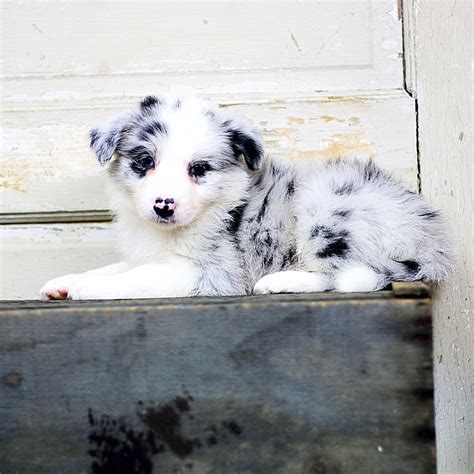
x,y
47,165
361,40
280,384
33,254
443,48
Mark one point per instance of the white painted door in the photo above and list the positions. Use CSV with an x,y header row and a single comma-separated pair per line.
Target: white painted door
x,y
320,79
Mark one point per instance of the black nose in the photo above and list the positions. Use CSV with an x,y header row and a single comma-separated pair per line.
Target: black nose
x,y
164,207
166,201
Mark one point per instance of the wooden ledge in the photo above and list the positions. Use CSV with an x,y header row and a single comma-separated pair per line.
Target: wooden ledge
x,y
398,290
284,383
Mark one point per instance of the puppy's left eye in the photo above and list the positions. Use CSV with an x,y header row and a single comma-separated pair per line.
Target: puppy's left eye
x,y
198,170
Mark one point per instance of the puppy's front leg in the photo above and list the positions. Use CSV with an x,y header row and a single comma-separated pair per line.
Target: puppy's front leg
x,y
58,288
160,280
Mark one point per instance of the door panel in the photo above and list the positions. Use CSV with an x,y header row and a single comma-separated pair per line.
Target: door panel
x,y
319,79
48,167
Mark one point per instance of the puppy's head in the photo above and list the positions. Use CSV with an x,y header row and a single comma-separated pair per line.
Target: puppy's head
x,y
178,158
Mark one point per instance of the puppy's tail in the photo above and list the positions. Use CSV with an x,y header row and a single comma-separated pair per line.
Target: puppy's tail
x,y
434,258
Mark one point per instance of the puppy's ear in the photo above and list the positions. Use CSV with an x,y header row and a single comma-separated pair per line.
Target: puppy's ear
x,y
104,138
246,141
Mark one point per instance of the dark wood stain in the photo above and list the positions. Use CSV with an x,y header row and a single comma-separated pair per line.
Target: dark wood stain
x,y
13,379
130,446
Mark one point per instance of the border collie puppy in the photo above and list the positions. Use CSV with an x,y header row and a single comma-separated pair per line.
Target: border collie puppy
x,y
201,211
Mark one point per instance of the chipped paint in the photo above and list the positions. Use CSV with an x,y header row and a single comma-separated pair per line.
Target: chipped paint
x,y
295,121
345,99
48,168
13,183
14,178
287,132
340,145
328,118
354,120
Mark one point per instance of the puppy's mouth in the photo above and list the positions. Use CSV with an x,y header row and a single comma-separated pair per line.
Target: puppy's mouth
x,y
165,220
170,222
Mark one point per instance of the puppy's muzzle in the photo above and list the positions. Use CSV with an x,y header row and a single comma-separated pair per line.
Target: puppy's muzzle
x,y
164,208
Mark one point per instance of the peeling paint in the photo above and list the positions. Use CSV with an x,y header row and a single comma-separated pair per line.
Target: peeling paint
x,y
48,167
354,120
328,118
295,121
340,145
345,99
13,179
286,132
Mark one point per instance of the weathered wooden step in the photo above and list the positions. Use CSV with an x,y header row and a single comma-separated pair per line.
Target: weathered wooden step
x,y
320,383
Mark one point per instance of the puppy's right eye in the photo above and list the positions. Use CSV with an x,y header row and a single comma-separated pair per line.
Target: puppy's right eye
x,y
141,161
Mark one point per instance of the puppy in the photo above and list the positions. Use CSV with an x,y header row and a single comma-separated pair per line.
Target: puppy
x,y
201,211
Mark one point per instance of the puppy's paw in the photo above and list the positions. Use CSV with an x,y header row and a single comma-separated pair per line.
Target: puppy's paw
x,y
92,288
59,288
357,278
291,282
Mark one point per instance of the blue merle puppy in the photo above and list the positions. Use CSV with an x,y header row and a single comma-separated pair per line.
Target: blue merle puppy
x,y
200,210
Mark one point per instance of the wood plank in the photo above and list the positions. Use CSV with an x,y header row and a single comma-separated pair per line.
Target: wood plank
x,y
30,255
305,383
47,166
353,45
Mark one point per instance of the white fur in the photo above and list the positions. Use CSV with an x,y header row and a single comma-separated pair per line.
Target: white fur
x,y
357,278
291,282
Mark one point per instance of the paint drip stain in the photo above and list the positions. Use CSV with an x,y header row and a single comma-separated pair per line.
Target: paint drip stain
x,y
122,446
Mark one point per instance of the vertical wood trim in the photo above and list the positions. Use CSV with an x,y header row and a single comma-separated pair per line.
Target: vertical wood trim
x,y
443,55
408,29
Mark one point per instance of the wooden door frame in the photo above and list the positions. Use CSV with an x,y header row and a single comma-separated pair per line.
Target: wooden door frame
x,y
438,73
